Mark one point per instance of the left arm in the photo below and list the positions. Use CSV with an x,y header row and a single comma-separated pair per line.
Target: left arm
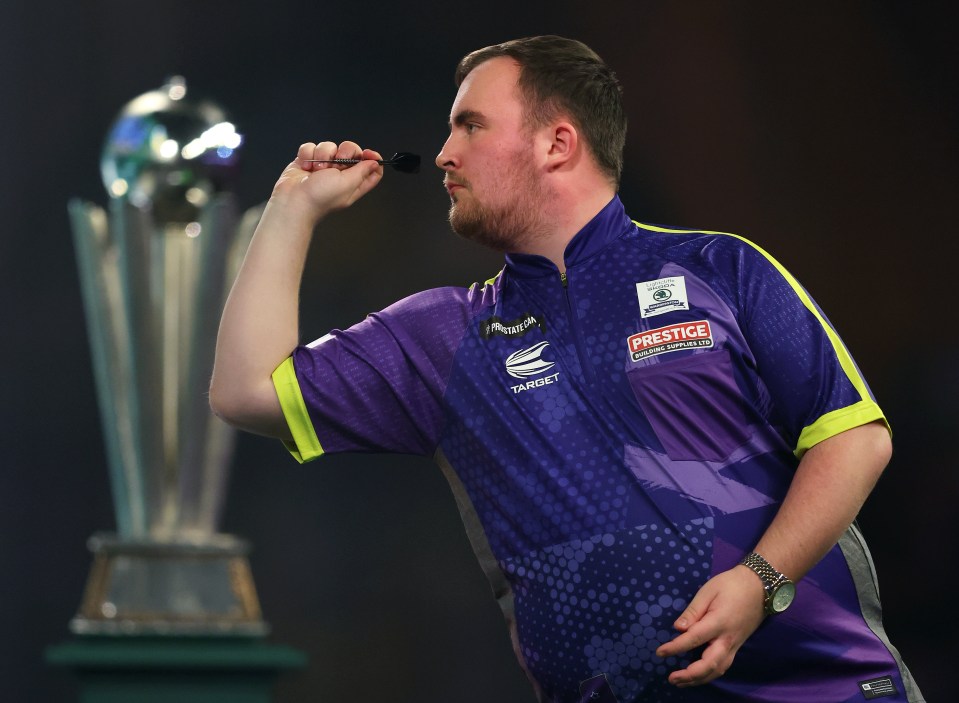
x,y
831,483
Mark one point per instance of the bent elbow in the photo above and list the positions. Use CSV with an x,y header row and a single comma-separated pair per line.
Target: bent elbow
x,y
253,409
232,402
874,446
223,404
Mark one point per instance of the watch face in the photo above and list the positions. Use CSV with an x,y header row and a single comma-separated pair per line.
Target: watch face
x,y
783,597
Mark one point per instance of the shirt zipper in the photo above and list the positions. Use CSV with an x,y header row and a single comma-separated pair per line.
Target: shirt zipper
x,y
584,364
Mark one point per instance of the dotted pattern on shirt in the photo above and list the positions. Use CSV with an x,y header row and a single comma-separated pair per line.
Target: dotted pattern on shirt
x,y
577,603
538,467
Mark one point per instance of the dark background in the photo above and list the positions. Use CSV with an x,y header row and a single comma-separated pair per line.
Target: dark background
x,y
825,132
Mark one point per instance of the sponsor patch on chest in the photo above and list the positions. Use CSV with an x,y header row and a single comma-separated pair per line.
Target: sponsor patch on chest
x,y
661,296
495,326
682,335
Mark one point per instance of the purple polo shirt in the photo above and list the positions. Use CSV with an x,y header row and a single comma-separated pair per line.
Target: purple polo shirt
x,y
614,437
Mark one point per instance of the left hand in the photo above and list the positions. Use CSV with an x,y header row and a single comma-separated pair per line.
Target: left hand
x,y
722,615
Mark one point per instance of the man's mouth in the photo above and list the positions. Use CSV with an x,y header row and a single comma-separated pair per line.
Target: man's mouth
x,y
452,186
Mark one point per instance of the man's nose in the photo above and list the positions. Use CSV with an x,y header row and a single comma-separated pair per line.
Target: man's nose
x,y
445,160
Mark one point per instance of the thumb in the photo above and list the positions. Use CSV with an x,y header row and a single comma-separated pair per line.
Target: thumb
x,y
368,173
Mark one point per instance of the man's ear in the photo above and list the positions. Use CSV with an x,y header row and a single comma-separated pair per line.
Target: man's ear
x,y
563,149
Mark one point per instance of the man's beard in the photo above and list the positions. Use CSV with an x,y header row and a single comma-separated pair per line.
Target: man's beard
x,y
509,226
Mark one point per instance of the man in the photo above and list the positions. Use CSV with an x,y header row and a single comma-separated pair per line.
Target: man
x,y
652,434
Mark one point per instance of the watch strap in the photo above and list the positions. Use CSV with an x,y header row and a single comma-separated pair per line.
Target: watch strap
x,y
763,569
767,573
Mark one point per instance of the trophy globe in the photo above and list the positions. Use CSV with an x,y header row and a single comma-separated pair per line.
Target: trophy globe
x,y
170,153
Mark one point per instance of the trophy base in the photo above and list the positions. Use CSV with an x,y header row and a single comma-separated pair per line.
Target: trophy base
x,y
151,587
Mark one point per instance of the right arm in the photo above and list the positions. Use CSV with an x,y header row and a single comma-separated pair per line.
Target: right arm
x,y
259,327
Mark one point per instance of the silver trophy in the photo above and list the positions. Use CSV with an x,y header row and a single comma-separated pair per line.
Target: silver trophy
x,y
155,270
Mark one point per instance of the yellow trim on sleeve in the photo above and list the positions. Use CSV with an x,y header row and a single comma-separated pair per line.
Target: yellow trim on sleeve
x,y
305,445
832,423
819,430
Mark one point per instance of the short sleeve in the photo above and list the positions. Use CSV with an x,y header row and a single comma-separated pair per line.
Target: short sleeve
x,y
816,386
377,386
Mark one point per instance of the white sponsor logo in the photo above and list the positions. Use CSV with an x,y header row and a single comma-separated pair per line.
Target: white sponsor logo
x,y
528,362
536,383
662,295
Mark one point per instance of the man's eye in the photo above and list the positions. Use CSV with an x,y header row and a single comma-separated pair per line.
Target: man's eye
x,y
471,127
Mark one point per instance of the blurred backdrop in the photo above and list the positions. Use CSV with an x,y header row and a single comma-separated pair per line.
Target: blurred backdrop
x,y
825,132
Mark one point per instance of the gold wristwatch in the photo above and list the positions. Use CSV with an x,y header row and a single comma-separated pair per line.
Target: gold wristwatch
x,y
780,591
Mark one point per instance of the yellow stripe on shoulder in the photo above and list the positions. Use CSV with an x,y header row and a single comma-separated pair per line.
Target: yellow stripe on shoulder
x,y
822,428
305,445
678,230
491,281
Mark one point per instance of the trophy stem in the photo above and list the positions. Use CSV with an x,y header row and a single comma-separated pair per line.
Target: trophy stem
x,y
102,299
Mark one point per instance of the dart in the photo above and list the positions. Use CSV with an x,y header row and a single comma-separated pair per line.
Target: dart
x,y
402,161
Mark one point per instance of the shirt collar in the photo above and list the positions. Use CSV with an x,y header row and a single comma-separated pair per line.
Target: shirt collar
x,y
608,225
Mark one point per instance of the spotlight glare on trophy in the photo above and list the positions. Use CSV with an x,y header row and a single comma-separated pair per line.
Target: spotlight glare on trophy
x,y
155,270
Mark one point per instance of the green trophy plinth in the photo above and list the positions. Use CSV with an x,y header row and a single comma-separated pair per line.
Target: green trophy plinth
x,y
172,669
170,612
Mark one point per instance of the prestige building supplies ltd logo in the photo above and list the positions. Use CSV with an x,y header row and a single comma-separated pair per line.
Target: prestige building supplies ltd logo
x,y
682,335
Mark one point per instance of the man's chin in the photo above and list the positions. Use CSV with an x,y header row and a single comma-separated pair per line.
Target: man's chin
x,y
460,222
465,228
465,231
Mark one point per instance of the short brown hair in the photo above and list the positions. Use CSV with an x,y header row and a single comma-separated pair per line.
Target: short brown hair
x,y
559,75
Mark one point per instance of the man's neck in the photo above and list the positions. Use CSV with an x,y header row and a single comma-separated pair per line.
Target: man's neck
x,y
567,213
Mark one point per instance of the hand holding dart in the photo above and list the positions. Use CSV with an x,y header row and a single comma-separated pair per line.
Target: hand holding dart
x,y
402,161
